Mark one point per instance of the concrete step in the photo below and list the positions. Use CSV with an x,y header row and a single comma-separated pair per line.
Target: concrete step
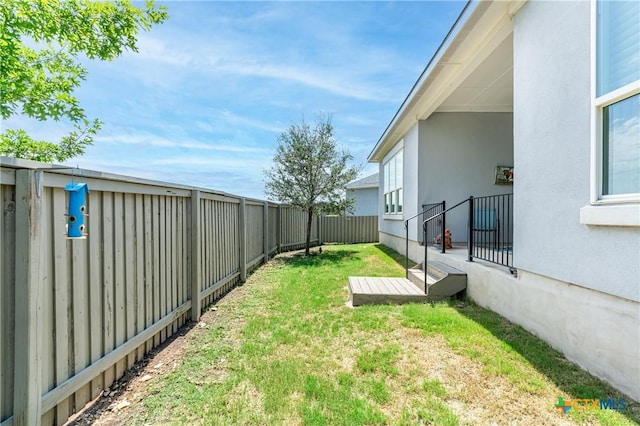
x,y
443,281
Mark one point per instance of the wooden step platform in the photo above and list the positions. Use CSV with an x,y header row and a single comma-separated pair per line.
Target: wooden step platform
x,y
380,291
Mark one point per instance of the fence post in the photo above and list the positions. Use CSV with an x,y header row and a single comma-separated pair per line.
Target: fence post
x,y
242,240
319,225
265,231
279,227
27,389
196,256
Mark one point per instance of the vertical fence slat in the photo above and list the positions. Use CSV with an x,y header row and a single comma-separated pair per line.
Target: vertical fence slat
x,y
139,272
108,294
7,299
242,239
94,224
130,270
61,301
196,272
171,264
120,329
80,322
148,264
47,303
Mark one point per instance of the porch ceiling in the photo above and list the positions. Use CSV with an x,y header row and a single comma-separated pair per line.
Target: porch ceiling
x,y
472,71
489,88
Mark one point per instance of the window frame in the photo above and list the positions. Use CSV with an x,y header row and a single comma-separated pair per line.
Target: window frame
x,y
614,209
393,195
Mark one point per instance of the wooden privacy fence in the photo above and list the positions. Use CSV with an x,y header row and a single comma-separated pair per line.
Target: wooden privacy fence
x,y
348,229
75,314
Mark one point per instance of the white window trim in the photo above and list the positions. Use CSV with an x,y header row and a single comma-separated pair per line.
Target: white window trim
x,y
606,210
392,153
611,215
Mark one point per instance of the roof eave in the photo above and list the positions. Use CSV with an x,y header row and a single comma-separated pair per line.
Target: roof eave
x,y
403,118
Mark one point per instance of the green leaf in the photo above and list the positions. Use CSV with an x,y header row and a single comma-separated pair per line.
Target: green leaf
x,y
38,79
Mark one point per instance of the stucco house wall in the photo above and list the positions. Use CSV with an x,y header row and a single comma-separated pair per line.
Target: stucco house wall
x,y
552,151
578,283
458,155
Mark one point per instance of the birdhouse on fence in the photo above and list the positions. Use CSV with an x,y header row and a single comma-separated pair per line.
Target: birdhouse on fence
x,y
77,210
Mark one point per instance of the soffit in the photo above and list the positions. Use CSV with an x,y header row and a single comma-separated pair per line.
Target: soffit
x,y
483,44
489,88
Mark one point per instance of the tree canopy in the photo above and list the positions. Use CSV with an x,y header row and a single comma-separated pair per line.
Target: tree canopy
x,y
41,45
310,171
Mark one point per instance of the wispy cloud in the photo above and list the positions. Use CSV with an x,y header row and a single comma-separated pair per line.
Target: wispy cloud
x,y
213,162
209,91
155,141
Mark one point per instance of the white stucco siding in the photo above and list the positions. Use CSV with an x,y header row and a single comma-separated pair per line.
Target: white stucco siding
x,y
552,156
366,201
458,155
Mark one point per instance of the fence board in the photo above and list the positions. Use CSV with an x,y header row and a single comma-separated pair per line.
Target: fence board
x,y
148,263
119,290
129,270
94,224
108,293
61,300
7,301
140,270
47,303
349,229
80,319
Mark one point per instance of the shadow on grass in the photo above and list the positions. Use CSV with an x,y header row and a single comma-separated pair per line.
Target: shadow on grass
x,y
397,257
334,257
570,378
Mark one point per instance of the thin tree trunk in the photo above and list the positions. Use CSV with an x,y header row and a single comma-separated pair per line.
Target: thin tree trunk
x,y
308,242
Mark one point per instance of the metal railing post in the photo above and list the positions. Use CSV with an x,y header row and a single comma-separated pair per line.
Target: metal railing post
x,y
444,225
424,265
470,231
406,249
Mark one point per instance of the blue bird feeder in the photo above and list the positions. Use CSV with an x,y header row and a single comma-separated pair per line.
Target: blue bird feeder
x,y
77,209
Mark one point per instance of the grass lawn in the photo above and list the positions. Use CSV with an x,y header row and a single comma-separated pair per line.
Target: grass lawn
x,y
284,349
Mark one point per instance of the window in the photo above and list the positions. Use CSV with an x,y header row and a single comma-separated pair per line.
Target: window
x,y
617,99
393,184
615,171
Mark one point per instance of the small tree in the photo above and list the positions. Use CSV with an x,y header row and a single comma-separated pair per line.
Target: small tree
x,y
310,172
41,42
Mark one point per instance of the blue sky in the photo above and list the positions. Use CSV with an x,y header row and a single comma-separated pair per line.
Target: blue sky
x,y
203,101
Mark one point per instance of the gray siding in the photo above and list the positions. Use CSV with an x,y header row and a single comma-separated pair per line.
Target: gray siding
x,y
366,201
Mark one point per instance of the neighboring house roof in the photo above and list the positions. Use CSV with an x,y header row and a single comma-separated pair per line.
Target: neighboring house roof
x,y
366,182
478,41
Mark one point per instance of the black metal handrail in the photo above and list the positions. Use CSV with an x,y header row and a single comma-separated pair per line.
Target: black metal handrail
x,y
429,207
425,224
434,227
489,230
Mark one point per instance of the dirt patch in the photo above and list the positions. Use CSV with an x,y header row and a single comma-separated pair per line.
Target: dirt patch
x,y
123,400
